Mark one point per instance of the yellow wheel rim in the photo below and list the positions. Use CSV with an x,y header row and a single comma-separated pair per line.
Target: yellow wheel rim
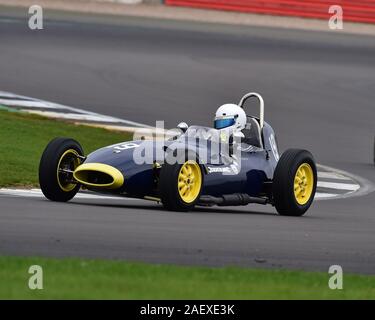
x,y
68,161
303,184
189,181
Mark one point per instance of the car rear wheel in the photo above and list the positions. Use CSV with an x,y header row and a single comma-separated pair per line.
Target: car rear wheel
x,y
180,185
60,158
294,183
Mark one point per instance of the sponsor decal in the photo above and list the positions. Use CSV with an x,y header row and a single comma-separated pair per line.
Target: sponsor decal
x,y
232,169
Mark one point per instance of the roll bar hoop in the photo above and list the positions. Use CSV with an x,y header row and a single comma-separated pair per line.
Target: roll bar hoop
x,y
261,105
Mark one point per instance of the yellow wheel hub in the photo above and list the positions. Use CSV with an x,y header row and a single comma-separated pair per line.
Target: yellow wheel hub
x,y
69,161
303,183
189,181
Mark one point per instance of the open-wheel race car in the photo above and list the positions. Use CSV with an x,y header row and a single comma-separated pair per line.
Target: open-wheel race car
x,y
251,170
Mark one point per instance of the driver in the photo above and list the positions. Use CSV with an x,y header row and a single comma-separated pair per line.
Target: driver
x,y
230,116
230,120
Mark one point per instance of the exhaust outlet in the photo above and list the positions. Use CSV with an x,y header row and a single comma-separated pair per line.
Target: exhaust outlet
x,y
236,199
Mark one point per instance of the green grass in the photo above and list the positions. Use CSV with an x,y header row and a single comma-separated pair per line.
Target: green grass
x,y
96,279
23,138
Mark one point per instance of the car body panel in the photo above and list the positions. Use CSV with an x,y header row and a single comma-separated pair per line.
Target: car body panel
x,y
257,165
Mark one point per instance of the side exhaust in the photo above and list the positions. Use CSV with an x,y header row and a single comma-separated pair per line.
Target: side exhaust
x,y
99,175
236,199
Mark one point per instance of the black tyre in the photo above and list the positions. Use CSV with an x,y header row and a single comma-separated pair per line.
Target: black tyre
x,y
294,182
60,154
180,185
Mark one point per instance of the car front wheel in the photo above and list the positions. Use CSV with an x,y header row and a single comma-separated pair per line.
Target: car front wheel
x,y
180,185
59,160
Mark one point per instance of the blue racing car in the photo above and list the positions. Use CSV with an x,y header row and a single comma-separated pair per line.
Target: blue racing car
x,y
235,163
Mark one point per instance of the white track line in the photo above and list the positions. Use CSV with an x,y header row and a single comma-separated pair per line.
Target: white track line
x,y
36,193
366,186
23,103
76,116
321,195
339,186
84,117
331,175
13,95
36,103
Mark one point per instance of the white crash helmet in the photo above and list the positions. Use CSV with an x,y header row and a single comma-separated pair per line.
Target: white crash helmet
x,y
230,115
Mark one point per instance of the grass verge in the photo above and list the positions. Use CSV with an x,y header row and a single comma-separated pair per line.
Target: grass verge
x,y
100,279
23,138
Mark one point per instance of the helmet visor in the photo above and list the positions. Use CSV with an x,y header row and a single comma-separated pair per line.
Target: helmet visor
x,y
224,123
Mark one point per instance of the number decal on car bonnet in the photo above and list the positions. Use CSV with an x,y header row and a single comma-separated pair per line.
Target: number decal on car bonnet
x,y
124,146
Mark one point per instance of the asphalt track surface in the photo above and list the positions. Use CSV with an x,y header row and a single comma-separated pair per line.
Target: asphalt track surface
x,y
319,93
